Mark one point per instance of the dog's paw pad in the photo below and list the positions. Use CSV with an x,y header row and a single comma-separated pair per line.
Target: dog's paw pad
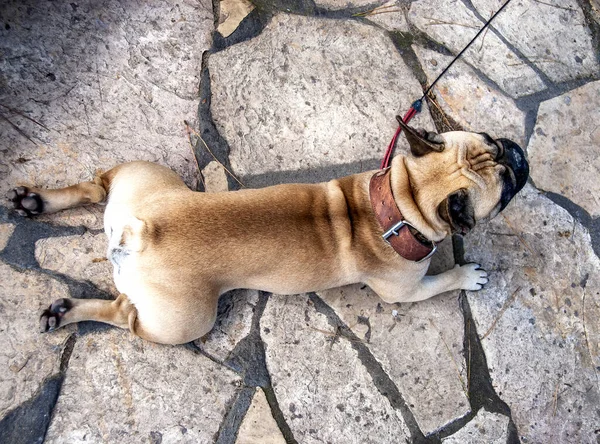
x,y
473,277
50,318
25,203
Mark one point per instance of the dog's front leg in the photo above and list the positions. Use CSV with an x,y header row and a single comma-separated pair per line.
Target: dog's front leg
x,y
120,313
461,277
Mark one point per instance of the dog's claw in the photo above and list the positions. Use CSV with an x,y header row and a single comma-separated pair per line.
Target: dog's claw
x,y
50,318
473,277
26,203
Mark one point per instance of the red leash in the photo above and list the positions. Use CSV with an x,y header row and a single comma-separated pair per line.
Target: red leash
x,y
412,111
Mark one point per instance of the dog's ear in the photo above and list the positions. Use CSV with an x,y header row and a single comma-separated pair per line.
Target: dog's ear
x,y
458,212
421,142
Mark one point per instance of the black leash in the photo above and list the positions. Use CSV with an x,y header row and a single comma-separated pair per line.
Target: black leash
x,y
418,104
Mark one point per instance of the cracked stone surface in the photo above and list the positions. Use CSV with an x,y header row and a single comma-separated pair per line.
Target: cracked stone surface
x,y
5,232
86,85
562,48
431,377
318,95
464,97
27,358
390,16
566,125
232,325
259,426
150,391
308,364
454,25
215,178
537,318
81,257
486,427
345,4
108,82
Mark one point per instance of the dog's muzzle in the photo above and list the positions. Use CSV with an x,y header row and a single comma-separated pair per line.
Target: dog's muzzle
x,y
517,170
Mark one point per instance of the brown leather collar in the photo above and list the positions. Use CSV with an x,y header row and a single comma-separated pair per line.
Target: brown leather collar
x,y
397,231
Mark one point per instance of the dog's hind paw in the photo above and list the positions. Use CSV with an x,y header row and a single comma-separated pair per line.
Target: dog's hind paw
x,y
473,277
50,318
25,202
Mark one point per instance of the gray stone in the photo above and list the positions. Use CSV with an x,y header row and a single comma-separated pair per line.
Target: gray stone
x,y
563,149
324,392
486,427
345,4
259,426
80,257
215,178
310,92
110,82
390,16
454,25
537,318
419,345
123,389
562,47
27,357
231,13
233,323
470,101
6,230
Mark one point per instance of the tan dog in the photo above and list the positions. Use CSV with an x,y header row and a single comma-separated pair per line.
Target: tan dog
x,y
176,251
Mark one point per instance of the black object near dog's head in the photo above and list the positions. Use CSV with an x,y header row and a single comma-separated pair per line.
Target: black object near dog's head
x,y
517,170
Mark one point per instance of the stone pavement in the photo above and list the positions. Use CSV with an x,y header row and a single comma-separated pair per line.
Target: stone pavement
x,y
232,93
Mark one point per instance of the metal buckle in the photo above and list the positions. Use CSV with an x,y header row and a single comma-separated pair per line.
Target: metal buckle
x,y
395,231
434,249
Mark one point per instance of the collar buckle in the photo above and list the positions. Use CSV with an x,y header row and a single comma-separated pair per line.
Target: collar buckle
x,y
395,231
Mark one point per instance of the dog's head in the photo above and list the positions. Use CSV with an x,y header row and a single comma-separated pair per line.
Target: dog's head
x,y
459,178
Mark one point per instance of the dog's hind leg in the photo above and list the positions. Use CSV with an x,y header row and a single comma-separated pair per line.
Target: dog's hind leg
x,y
33,201
160,324
119,312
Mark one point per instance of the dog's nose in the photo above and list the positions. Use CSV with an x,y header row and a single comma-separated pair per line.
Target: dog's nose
x,y
514,158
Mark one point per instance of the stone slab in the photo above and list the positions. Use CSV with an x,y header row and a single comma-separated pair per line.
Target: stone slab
x,y
27,357
454,25
347,4
231,13
109,82
471,102
233,323
419,346
215,178
561,48
324,392
121,389
259,426
6,230
486,427
537,318
563,149
80,257
310,92
390,16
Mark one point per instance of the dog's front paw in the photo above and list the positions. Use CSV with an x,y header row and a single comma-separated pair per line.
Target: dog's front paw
x,y
25,202
50,318
472,276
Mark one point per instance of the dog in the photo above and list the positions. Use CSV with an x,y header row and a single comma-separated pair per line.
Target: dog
x,y
175,251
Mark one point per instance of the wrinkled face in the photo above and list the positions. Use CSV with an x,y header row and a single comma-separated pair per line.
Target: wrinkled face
x,y
459,178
